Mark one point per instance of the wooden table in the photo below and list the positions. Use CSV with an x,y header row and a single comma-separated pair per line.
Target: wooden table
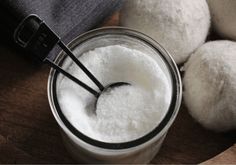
x,y
29,133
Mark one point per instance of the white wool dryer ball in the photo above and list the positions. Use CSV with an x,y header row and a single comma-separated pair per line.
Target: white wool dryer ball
x,y
210,85
180,26
223,14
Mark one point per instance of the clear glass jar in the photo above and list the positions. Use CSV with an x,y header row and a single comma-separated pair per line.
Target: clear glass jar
x,y
141,150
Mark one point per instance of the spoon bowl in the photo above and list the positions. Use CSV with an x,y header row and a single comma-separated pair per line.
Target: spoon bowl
x,y
108,88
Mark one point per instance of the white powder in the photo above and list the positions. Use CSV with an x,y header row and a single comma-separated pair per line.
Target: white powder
x,y
125,113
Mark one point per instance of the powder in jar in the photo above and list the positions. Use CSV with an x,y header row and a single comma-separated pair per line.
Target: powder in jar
x,y
124,113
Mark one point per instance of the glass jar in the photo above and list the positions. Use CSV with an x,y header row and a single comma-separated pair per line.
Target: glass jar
x,y
141,150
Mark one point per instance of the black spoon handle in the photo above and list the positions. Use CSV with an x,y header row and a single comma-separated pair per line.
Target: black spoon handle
x,y
85,70
33,34
68,75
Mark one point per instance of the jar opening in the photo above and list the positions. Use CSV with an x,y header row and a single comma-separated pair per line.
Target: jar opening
x,y
175,98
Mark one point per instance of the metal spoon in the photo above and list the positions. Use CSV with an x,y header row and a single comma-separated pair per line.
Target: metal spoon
x,y
36,36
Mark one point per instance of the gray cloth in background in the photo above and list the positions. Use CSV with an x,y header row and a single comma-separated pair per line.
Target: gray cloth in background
x,y
68,18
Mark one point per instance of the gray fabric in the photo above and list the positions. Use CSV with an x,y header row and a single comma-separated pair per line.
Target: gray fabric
x,y
68,18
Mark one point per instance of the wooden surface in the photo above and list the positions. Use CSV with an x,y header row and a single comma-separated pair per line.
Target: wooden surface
x,y
226,157
29,133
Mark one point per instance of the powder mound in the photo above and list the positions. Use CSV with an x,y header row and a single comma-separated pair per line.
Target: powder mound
x,y
210,85
180,26
223,17
129,108
124,113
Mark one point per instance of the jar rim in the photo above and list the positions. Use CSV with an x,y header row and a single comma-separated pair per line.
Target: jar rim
x,y
159,130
